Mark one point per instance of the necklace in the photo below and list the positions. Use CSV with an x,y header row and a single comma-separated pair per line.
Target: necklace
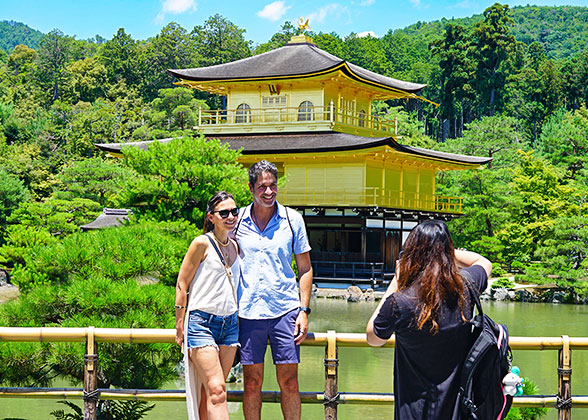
x,y
224,255
219,241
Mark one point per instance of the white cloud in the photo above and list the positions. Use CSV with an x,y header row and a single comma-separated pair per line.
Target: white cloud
x,y
416,3
367,33
273,11
466,4
319,15
366,2
175,7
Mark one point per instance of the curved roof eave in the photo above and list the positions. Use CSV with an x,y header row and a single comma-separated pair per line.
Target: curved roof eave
x,y
286,63
303,143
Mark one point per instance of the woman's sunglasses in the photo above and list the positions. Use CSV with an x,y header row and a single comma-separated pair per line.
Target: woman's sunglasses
x,y
225,213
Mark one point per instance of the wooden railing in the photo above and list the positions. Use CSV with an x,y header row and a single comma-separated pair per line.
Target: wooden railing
x,y
371,196
293,116
330,397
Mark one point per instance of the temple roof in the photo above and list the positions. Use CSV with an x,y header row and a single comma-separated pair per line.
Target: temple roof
x,y
254,144
294,60
108,218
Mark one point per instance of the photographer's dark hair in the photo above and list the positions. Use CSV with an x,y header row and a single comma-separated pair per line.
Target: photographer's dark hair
x,y
214,201
259,168
428,264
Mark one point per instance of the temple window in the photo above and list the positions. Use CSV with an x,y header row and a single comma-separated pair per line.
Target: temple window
x,y
274,101
305,111
243,114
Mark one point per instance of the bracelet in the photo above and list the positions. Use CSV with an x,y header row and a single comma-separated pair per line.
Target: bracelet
x,y
179,307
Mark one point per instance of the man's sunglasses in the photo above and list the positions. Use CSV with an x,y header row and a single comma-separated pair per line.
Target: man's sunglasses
x,y
225,213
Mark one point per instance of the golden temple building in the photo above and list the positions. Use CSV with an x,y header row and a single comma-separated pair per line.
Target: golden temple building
x,y
309,112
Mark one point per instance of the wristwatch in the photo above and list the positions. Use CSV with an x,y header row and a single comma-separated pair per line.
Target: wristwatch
x,y
305,309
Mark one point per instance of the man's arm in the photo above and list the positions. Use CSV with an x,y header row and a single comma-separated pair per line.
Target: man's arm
x,y
305,285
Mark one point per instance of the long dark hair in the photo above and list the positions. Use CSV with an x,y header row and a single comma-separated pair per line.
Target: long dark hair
x,y
428,263
219,197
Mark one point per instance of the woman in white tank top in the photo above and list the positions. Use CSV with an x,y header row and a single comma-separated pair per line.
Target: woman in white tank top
x,y
209,335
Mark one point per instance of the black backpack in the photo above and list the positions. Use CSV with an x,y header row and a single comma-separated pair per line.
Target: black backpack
x,y
489,360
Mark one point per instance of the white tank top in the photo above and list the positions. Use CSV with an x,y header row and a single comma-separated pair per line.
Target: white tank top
x,y
210,290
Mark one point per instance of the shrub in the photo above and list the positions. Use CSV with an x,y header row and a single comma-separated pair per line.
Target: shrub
x,y
527,413
12,194
497,270
502,283
139,249
176,179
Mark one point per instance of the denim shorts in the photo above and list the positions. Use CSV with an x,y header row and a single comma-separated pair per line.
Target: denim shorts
x,y
206,329
255,333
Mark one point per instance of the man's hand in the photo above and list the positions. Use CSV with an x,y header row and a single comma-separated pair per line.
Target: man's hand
x,y
301,328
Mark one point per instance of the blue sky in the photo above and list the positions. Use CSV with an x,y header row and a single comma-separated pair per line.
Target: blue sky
x,y
260,19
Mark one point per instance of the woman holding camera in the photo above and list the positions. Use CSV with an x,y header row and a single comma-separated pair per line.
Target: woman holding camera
x,y
427,306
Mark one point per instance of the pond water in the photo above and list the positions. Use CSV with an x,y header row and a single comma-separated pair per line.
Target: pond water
x,y
370,370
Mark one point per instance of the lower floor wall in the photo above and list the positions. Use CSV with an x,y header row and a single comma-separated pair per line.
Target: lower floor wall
x,y
354,243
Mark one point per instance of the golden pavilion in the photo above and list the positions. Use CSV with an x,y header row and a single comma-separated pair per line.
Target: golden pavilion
x,y
309,112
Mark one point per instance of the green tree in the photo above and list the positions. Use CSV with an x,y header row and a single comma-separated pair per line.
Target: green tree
x,y
492,45
410,130
21,60
331,43
170,49
366,52
114,278
564,141
178,178
456,93
219,41
55,52
28,162
537,200
86,81
279,39
12,194
120,56
534,92
179,107
94,179
565,253
58,217
497,137
486,191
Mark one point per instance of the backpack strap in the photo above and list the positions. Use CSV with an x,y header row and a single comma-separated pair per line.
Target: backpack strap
x,y
477,321
291,228
239,222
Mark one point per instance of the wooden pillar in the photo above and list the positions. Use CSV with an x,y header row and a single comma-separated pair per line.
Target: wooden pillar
x,y
331,397
90,377
564,385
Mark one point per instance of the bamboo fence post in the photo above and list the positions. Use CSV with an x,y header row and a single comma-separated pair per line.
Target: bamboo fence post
x,y
564,386
91,394
331,397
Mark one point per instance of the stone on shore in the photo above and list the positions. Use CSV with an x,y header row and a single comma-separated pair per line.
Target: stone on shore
x,y
354,294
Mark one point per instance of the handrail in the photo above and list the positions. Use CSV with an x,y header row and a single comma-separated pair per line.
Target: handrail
x,y
162,335
296,115
373,196
331,340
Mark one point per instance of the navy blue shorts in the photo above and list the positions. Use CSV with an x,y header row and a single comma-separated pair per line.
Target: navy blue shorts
x,y
206,329
254,334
